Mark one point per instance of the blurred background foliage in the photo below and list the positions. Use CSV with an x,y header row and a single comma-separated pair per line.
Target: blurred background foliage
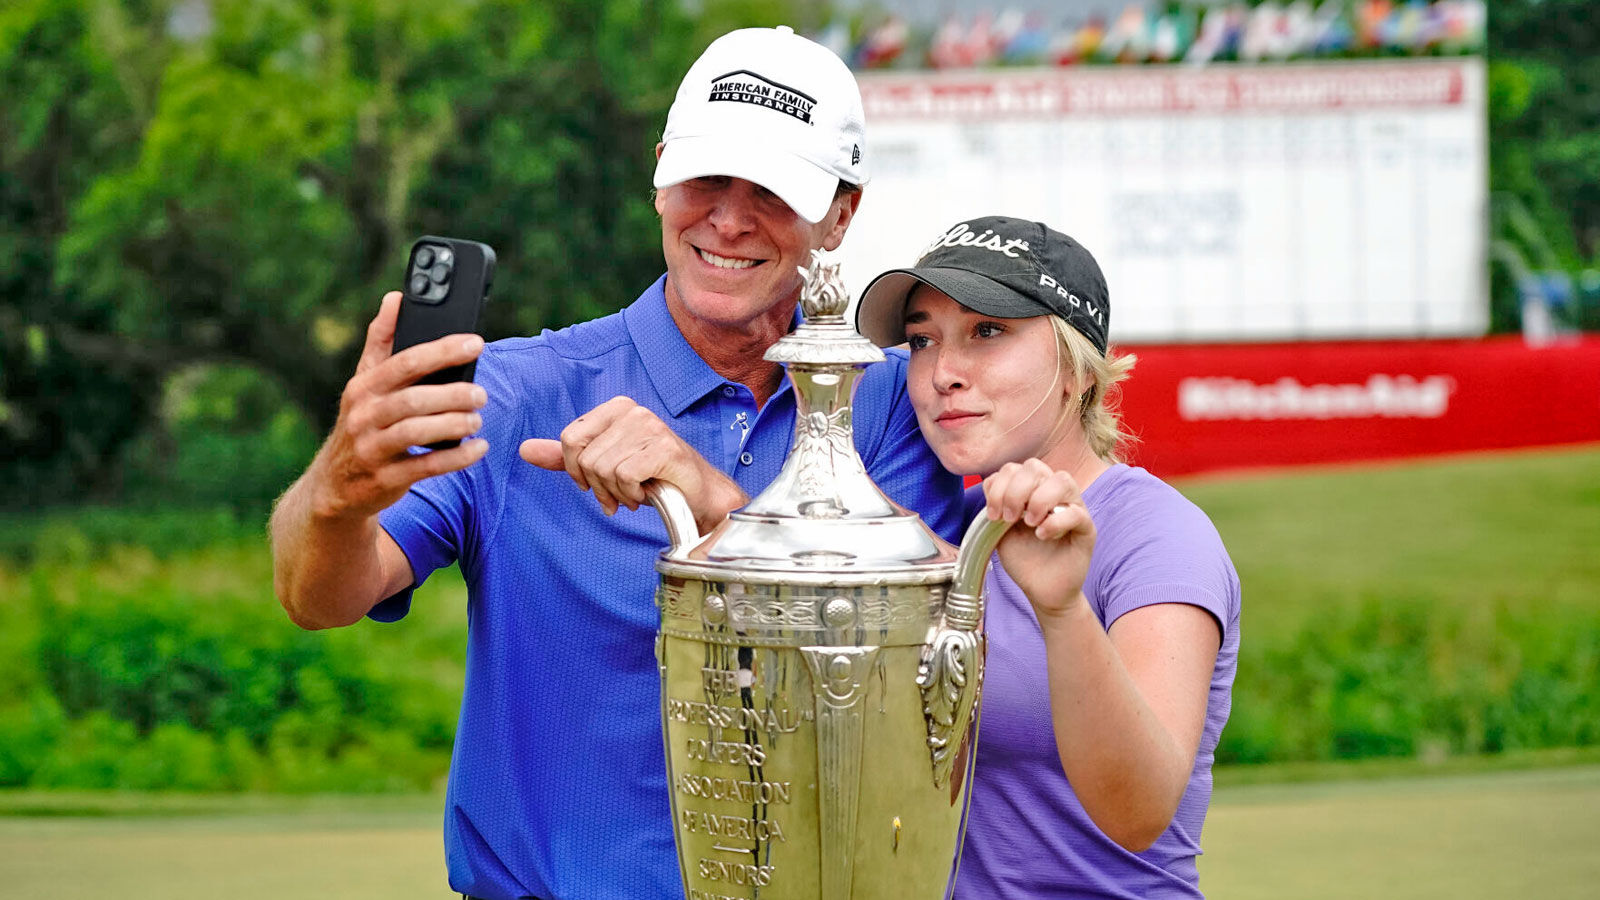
x,y
1544,150
201,203
142,649
128,670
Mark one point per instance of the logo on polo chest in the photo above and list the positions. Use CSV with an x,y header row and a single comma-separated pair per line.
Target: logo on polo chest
x,y
745,86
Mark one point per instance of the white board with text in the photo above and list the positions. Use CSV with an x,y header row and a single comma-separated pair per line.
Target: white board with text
x,y
1231,202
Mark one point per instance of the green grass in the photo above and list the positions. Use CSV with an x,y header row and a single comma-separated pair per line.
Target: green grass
x,y
1228,778
1519,530
242,847
1429,608
1462,836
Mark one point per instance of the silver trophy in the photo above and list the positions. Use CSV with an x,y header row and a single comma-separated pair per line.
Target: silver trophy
x,y
821,661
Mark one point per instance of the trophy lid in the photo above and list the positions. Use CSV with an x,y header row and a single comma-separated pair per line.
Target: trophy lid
x,y
822,519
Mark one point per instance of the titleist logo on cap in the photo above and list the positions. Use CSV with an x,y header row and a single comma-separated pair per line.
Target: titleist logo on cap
x,y
996,266
962,236
745,86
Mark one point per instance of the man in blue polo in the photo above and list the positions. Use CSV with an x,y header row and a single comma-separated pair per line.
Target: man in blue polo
x,y
558,784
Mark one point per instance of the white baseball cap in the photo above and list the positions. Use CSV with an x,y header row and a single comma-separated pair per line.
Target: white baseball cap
x,y
768,106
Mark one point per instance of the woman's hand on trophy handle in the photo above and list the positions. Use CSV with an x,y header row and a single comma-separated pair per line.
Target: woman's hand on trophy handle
x,y
1048,559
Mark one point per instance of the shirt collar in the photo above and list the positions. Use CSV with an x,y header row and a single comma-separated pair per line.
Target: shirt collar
x,y
678,374
681,378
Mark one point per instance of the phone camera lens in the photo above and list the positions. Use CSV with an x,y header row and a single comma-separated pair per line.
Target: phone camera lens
x,y
420,284
440,273
424,257
445,256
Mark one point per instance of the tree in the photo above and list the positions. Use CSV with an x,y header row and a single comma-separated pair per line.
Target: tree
x,y
68,388
236,181
1545,106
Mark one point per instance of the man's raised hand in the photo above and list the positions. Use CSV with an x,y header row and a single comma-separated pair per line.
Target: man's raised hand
x,y
365,465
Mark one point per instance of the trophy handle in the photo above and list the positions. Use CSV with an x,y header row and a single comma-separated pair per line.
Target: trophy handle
x,y
675,514
951,674
964,609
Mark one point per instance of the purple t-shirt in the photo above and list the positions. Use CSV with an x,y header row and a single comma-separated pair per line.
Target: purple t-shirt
x,y
1027,836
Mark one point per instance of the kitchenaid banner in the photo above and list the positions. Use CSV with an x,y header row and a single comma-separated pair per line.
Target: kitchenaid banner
x,y
1207,407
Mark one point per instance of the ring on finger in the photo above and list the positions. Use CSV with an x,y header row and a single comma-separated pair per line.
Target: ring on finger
x,y
1059,508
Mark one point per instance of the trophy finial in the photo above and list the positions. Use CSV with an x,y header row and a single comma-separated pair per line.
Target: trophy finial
x,y
823,337
823,294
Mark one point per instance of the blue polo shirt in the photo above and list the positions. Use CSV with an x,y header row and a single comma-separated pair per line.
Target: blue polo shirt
x,y
558,784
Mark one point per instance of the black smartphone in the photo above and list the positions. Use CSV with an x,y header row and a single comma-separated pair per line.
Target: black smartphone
x,y
447,282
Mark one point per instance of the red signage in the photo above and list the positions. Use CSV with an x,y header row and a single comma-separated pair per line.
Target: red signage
x,y
1206,407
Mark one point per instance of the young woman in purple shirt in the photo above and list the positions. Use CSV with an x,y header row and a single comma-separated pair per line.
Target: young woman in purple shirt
x,y
1113,620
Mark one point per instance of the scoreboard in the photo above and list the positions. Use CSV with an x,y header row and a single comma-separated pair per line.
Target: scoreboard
x,y
1296,201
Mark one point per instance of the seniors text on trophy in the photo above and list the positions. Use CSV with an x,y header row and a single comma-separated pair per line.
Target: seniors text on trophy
x,y
821,658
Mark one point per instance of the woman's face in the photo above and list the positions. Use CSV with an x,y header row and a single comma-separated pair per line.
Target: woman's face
x,y
987,391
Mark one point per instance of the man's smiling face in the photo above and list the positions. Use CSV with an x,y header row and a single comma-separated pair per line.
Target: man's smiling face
x,y
732,248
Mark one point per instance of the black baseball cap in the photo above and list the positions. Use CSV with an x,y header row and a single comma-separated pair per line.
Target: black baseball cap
x,y
1001,267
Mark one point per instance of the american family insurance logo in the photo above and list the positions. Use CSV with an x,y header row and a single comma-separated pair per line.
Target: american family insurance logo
x,y
745,86
1380,396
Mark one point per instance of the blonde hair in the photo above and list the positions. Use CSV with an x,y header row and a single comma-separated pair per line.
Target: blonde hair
x,y
1097,411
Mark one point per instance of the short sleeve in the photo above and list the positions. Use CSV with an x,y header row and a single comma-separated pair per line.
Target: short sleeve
x,y
1154,546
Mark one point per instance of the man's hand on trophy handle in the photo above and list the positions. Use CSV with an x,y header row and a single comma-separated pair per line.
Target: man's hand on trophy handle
x,y
616,448
676,514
